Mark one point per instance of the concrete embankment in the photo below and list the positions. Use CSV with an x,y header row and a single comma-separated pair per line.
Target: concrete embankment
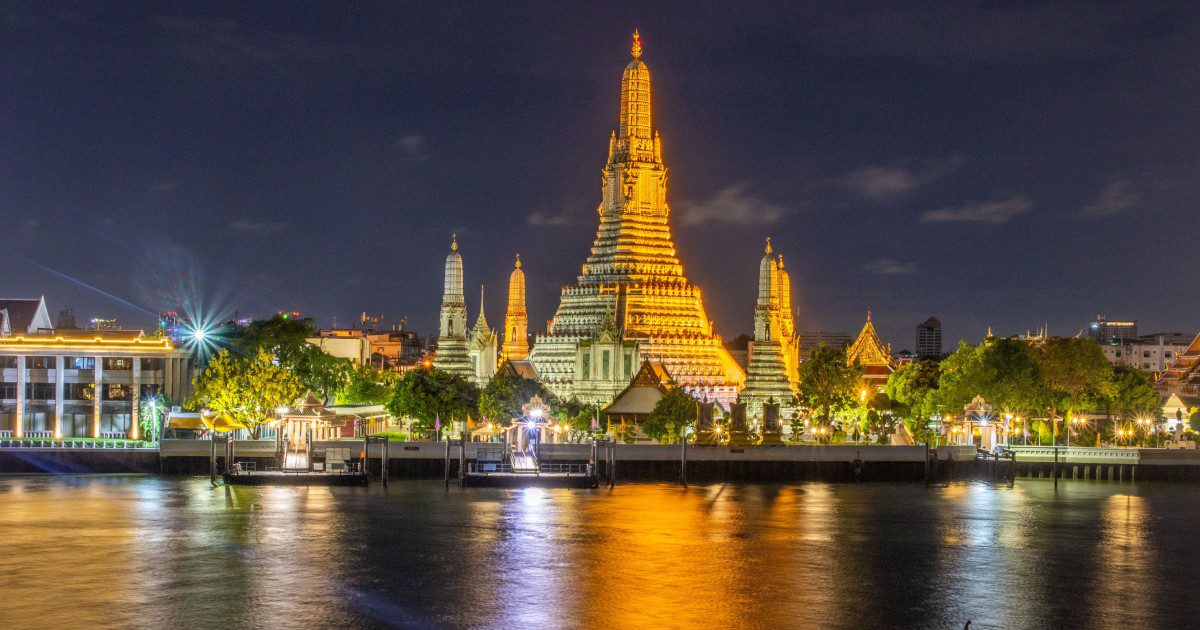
x,y
633,463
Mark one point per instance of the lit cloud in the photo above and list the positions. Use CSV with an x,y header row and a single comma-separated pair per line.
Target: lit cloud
x,y
247,225
987,212
540,218
1116,198
411,146
211,42
891,267
888,183
31,223
733,204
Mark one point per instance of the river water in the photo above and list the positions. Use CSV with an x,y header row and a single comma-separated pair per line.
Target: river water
x,y
133,551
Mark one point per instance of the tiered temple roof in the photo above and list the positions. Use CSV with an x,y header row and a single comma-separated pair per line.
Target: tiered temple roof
x,y
633,271
516,320
1183,375
875,358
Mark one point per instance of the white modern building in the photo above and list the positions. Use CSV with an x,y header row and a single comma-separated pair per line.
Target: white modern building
x,y
85,384
1149,353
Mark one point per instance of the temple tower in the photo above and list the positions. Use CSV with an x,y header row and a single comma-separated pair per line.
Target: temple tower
x,y
481,347
773,371
516,320
452,353
632,302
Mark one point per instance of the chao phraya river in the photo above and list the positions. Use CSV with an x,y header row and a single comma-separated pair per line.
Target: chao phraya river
x,y
129,551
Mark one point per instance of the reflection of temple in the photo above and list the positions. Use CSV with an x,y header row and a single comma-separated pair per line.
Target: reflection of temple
x,y
774,356
632,302
875,358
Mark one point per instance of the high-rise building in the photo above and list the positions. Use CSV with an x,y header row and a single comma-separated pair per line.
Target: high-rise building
x,y
929,338
632,301
774,355
452,355
1105,330
516,320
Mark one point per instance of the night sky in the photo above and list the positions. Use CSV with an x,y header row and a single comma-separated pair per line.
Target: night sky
x,y
1004,165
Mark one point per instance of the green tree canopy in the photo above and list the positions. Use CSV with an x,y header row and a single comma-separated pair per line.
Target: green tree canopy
x,y
912,390
1132,394
287,339
247,389
1003,371
503,397
1075,372
828,383
427,394
365,386
670,415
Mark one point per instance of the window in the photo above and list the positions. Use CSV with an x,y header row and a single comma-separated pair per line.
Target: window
x,y
39,363
39,391
152,365
587,367
118,363
116,391
150,390
1145,353
604,364
628,365
8,362
79,391
81,363
8,391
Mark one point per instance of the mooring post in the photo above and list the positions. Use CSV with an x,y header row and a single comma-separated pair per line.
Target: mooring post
x,y
683,457
1012,478
228,454
385,470
212,458
1054,470
462,458
447,471
927,463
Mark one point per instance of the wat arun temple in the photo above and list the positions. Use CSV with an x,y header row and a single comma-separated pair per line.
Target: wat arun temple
x,y
632,304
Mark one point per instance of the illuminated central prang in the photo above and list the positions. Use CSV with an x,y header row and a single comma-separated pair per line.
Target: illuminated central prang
x,y
632,301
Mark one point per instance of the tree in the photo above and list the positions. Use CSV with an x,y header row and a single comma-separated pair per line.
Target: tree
x,y
248,390
152,408
425,395
1002,371
1132,395
670,415
1075,372
828,383
911,389
506,393
365,386
287,339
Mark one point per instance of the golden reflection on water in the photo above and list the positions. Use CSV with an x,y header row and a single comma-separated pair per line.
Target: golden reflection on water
x,y
152,552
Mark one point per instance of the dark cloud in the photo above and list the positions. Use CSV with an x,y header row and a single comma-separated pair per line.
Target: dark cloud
x,y
985,212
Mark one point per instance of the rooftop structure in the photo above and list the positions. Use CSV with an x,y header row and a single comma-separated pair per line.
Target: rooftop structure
x,y
875,358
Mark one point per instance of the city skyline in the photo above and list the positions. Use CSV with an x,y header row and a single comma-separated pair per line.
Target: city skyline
x,y
258,161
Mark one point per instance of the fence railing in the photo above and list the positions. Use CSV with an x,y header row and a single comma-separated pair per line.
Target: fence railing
x,y
76,443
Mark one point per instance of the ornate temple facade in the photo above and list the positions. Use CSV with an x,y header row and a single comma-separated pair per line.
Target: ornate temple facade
x,y
875,358
632,302
452,355
482,348
773,372
516,320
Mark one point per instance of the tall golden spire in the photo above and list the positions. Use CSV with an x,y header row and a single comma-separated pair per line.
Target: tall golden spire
x,y
635,135
637,44
516,320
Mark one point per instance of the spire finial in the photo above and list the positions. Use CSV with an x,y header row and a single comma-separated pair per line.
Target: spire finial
x,y
481,299
637,44
769,250
781,261
518,265
868,316
454,242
